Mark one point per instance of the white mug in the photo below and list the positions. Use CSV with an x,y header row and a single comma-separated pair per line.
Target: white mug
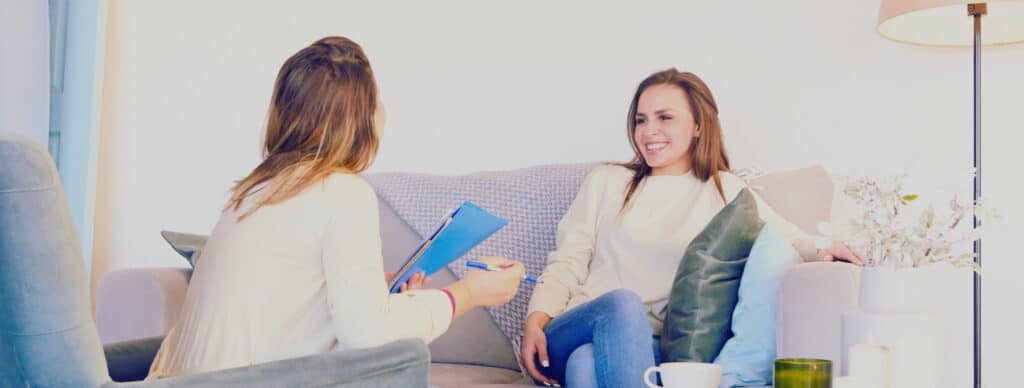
x,y
685,375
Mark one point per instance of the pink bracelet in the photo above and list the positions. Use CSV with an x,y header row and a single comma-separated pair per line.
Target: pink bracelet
x,y
450,298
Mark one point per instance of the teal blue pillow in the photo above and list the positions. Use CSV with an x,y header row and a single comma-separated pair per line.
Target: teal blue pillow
x,y
189,246
747,357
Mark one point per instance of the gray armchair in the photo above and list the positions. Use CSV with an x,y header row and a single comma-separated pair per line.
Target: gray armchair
x,y
47,335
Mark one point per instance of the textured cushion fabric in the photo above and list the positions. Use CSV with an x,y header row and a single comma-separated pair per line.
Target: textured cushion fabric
x,y
47,335
532,199
704,293
189,246
474,338
747,357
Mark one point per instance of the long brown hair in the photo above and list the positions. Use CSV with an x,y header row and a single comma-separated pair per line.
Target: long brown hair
x,y
320,121
707,151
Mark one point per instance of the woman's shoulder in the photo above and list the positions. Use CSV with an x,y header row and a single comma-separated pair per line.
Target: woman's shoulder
x,y
611,172
348,185
731,184
607,177
732,179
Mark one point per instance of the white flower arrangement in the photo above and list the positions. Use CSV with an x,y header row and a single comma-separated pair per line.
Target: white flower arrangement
x,y
888,234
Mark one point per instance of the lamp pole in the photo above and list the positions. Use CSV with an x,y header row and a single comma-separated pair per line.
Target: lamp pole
x,y
976,11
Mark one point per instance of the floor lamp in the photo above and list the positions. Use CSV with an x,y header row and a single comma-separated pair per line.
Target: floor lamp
x,y
950,23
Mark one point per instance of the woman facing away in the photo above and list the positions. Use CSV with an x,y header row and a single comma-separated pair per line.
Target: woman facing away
x,y
294,266
593,320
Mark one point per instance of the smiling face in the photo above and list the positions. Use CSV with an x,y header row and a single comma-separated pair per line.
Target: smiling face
x,y
665,129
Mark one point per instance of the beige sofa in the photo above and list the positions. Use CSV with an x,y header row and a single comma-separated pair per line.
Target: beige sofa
x,y
145,302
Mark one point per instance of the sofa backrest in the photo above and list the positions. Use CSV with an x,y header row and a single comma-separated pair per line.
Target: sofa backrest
x,y
802,196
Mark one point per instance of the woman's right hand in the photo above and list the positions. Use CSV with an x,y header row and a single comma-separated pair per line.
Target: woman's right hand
x,y
487,288
490,288
535,347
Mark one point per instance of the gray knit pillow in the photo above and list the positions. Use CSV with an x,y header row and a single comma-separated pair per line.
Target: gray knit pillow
x,y
189,246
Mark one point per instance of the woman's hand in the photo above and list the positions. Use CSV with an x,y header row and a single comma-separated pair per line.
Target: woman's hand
x,y
839,251
535,347
487,288
417,281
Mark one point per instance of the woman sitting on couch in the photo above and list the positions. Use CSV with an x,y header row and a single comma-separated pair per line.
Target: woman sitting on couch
x,y
294,265
591,322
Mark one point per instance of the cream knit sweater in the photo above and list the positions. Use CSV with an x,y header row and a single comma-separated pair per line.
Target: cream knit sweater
x,y
598,252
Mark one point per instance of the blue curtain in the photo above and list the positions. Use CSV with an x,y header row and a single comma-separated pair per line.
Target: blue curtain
x,y
77,47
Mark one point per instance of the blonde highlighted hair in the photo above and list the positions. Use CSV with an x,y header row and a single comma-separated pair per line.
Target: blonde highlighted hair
x,y
707,151
320,121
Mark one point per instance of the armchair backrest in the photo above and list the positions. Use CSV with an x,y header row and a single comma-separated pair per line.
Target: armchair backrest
x,y
47,335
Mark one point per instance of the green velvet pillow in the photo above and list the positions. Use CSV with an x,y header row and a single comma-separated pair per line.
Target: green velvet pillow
x,y
189,246
698,318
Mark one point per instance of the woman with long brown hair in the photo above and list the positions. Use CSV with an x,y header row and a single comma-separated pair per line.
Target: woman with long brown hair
x,y
294,265
593,320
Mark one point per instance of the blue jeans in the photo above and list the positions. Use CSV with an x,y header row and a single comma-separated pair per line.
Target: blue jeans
x,y
606,342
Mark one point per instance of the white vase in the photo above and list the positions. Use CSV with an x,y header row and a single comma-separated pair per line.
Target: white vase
x,y
890,313
891,290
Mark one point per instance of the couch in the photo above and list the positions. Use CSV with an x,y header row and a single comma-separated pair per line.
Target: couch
x,y
145,302
49,339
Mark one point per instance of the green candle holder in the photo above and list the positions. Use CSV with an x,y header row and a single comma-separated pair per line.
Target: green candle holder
x,y
803,373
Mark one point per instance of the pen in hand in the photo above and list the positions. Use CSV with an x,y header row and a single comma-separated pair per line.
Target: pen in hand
x,y
485,267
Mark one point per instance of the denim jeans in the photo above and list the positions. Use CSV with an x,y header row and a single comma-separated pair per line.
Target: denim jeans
x,y
606,342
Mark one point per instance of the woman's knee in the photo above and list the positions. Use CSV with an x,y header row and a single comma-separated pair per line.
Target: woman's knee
x,y
623,301
580,369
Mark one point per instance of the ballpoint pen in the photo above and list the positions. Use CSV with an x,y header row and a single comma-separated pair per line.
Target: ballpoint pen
x,y
483,266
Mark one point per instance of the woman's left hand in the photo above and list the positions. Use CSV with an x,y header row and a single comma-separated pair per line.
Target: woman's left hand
x,y
839,251
416,282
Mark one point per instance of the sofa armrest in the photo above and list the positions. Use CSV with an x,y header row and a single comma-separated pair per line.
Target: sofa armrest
x,y
139,302
401,363
812,299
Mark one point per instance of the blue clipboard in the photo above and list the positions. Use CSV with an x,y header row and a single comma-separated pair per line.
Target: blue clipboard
x,y
466,227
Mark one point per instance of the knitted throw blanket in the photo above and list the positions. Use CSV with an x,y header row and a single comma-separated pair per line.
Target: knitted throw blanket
x,y
532,199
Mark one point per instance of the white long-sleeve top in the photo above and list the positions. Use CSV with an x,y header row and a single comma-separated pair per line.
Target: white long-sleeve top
x,y
597,252
297,278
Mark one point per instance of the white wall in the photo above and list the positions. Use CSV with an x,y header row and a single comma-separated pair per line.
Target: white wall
x,y
475,85
25,69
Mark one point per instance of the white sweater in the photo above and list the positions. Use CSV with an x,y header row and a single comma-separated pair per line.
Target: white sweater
x,y
301,277
597,253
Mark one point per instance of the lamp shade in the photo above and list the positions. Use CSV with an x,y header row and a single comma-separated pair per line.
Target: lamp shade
x,y
946,22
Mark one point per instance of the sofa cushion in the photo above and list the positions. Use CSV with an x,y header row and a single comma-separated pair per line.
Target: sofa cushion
x,y
474,338
704,292
803,196
444,375
746,358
